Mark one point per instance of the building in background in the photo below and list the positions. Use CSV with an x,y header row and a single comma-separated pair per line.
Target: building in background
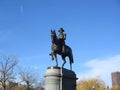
x,y
115,79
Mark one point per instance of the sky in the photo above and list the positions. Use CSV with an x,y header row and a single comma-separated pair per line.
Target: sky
x,y
92,28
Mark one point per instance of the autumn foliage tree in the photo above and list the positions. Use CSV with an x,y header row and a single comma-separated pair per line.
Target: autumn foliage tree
x,y
116,87
91,84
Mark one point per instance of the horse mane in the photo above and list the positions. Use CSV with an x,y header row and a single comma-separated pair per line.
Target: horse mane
x,y
55,36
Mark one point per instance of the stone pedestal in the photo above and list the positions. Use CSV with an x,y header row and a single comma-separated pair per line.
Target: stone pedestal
x,y
57,78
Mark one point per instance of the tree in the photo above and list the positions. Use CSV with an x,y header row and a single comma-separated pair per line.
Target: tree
x,y
29,77
7,65
91,84
116,87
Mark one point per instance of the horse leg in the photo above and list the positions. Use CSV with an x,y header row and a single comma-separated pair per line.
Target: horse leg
x,y
56,60
70,66
63,58
71,60
51,54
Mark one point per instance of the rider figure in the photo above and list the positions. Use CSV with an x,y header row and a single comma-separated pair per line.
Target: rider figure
x,y
62,38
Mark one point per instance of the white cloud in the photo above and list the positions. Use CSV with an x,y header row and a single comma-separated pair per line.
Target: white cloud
x,y
21,9
102,67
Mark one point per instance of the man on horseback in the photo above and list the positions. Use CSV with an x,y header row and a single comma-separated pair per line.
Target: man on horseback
x,y
62,38
59,47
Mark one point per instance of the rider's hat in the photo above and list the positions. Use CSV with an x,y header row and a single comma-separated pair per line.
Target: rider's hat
x,y
61,30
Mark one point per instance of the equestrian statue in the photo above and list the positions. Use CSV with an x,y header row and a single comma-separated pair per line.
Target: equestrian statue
x,y
59,47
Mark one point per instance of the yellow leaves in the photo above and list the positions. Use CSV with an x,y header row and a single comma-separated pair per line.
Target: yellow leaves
x,y
116,87
91,84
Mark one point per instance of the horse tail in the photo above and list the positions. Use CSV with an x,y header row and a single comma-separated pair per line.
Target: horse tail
x,y
71,57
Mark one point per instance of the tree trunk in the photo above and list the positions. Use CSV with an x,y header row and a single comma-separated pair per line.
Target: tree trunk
x,y
4,87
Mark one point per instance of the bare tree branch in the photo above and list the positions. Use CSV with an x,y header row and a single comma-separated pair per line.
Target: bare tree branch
x,y
7,64
29,77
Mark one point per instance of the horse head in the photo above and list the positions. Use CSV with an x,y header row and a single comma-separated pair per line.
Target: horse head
x,y
53,36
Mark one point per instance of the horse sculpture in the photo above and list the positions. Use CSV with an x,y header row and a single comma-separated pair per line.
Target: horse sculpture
x,y
57,49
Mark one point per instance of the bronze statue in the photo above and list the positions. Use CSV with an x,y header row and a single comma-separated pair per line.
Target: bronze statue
x,y
59,47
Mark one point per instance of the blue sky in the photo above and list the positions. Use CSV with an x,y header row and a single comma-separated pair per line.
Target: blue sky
x,y
92,28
